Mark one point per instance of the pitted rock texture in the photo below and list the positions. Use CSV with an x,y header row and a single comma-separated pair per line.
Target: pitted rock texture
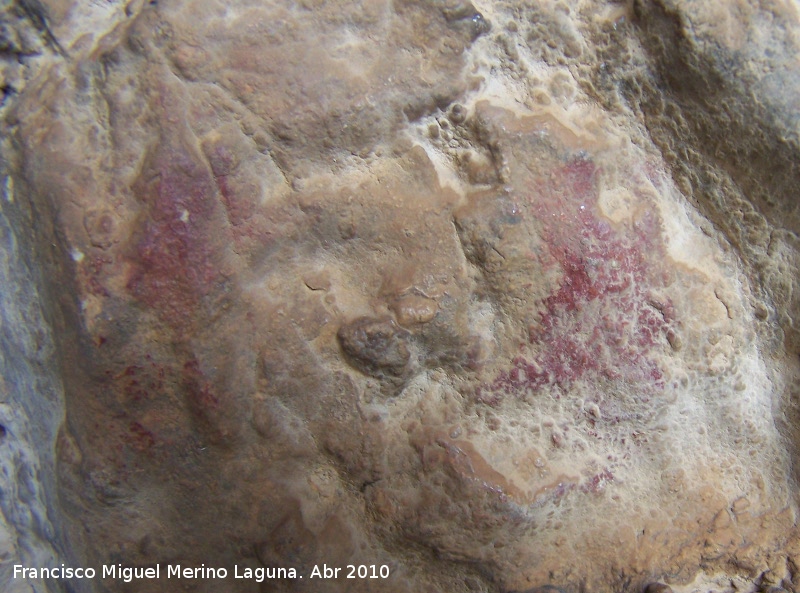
x,y
501,295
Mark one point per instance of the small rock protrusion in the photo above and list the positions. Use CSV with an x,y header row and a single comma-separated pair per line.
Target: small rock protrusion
x,y
545,589
375,346
457,114
99,225
674,340
414,310
464,15
317,280
761,312
657,588
740,505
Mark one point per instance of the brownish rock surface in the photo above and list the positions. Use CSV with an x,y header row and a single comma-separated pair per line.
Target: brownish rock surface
x,y
500,296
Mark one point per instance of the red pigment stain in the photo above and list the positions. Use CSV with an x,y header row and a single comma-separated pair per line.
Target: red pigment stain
x,y
92,273
199,390
174,257
603,320
140,383
597,482
141,438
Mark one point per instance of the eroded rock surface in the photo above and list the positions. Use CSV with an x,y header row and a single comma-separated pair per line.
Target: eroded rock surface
x,y
499,295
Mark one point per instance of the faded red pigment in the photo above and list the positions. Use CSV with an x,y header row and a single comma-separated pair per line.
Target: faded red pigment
x,y
605,318
175,265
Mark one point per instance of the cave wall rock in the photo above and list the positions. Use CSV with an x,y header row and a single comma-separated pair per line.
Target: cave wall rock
x,y
501,295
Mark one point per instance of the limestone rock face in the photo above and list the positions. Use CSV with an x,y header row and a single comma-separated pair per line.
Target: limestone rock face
x,y
502,296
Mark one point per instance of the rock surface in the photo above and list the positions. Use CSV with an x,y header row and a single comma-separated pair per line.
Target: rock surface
x,y
502,296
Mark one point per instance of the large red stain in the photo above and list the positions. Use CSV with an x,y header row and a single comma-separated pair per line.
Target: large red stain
x,y
605,318
175,257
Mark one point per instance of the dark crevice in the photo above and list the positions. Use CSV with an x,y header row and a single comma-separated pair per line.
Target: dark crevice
x,y
36,13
